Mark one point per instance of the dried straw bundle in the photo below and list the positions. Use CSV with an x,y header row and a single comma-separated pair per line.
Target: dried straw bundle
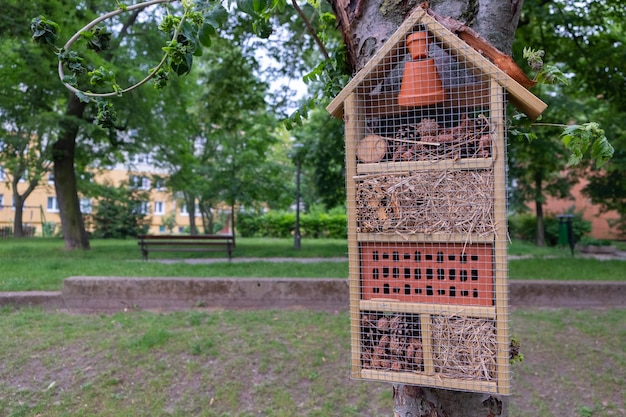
x,y
464,347
427,202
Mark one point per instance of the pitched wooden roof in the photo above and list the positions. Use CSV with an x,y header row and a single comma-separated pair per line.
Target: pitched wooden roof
x,y
520,97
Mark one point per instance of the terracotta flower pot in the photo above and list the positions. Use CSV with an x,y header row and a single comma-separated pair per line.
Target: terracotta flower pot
x,y
421,85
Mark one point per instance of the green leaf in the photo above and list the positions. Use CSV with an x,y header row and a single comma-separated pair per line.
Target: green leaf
x,y
260,6
262,28
70,79
579,138
106,114
99,39
551,74
205,34
246,6
601,151
216,16
83,97
44,30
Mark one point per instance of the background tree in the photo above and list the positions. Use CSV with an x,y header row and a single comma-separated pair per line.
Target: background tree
x,y
239,128
24,159
121,212
569,33
76,135
538,160
324,159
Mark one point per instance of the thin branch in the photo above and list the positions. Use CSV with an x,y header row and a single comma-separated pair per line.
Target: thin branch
x,y
310,29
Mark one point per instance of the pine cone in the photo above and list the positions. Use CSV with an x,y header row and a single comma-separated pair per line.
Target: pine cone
x,y
427,127
396,345
383,324
383,342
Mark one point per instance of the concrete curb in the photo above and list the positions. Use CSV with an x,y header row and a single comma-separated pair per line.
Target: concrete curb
x,y
110,294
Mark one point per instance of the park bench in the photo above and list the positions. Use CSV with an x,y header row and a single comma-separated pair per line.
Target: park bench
x,y
186,243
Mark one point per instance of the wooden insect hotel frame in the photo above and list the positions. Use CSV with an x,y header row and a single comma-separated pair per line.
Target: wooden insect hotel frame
x,y
426,194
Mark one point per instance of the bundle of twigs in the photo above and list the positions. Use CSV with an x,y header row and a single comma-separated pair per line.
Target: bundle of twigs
x,y
449,201
426,140
464,347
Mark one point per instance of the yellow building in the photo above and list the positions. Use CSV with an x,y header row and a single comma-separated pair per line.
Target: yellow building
x,y
41,210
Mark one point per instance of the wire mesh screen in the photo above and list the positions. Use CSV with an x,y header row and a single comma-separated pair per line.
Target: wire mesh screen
x,y
426,156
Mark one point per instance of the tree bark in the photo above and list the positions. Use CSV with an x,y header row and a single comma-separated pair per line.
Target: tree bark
x,y
541,235
65,185
18,202
190,202
365,26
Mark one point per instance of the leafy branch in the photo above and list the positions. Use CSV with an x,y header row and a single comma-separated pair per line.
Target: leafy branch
x,y
577,138
200,20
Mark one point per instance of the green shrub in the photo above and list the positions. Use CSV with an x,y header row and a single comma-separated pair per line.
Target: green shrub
x,y
118,213
591,241
524,227
282,224
580,227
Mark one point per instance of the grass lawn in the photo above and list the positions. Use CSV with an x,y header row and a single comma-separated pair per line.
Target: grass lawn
x,y
274,363
267,363
42,264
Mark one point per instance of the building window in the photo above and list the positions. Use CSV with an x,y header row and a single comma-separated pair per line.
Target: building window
x,y
161,229
159,207
53,205
144,208
142,183
141,159
134,181
85,205
3,176
50,179
183,210
159,183
1,201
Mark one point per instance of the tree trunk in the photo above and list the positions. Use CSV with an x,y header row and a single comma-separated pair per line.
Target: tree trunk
x,y
190,202
63,152
541,234
19,200
365,26
18,205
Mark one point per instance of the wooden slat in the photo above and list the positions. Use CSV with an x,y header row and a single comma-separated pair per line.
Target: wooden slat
x,y
424,238
426,322
178,243
354,130
423,308
185,237
500,246
377,63
447,164
186,243
438,381
187,249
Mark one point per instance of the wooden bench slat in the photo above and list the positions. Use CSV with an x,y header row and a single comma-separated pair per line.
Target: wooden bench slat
x,y
186,237
186,243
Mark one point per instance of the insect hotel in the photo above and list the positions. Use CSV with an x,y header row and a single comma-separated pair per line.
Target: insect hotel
x,y
427,234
